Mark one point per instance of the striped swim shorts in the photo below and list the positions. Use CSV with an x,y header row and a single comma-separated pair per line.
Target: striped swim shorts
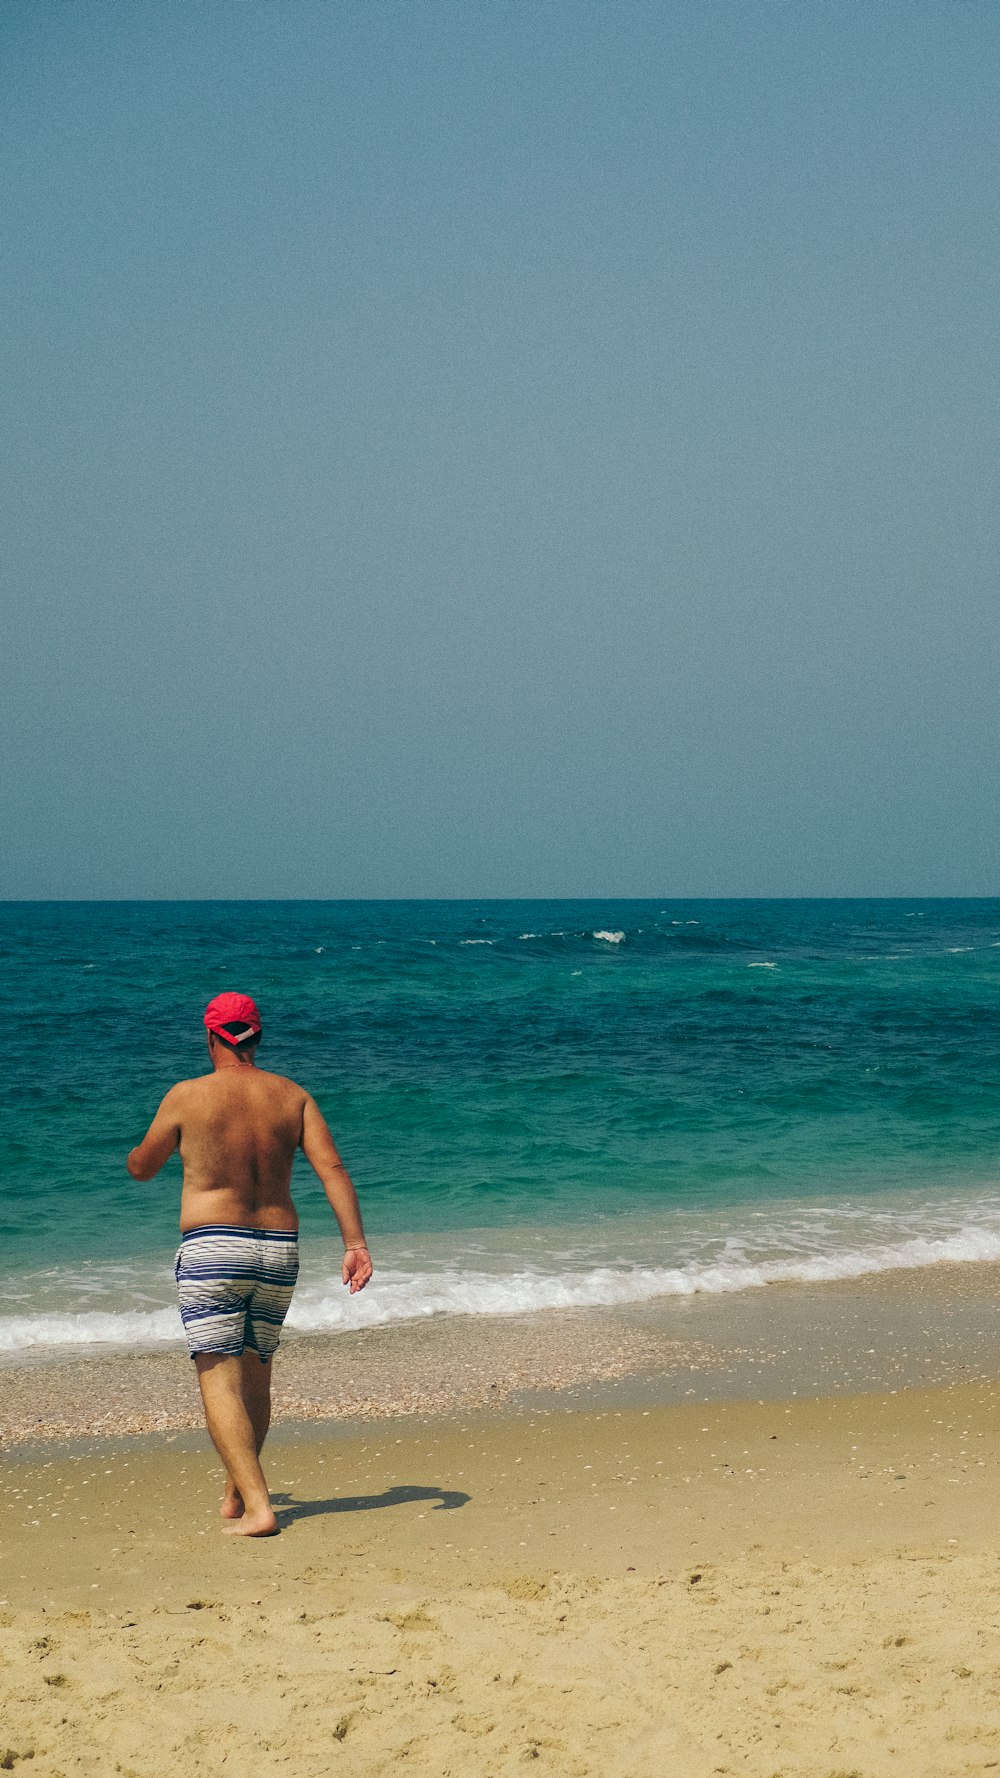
x,y
234,1286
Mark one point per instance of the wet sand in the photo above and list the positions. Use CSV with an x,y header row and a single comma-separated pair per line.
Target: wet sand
x,y
420,1368
804,1588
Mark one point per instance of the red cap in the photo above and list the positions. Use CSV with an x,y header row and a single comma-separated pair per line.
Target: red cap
x,y
232,1017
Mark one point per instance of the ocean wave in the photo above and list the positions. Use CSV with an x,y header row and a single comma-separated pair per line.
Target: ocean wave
x,y
611,938
397,1296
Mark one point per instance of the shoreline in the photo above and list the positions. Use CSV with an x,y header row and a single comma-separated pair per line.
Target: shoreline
x,y
934,1325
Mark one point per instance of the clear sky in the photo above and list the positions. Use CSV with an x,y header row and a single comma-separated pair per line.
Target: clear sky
x,y
499,449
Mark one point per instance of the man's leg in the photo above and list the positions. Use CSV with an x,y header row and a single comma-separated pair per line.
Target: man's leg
x,y
234,1437
255,1384
257,1395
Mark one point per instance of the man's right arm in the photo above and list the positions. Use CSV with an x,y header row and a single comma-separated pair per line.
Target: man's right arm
x,y
160,1140
320,1151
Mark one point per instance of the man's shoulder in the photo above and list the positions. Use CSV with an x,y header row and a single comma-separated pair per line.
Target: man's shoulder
x,y
185,1090
280,1083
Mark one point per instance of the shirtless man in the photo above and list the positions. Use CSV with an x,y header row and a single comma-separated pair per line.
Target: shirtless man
x,y
237,1130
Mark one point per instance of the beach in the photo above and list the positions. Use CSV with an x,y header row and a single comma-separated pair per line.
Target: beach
x,y
499,692
807,1587
665,1439
552,1555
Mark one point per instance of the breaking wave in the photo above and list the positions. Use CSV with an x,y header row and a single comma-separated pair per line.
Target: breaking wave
x,y
324,1306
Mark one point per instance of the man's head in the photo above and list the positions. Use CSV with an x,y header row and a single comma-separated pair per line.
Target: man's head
x,y
233,1023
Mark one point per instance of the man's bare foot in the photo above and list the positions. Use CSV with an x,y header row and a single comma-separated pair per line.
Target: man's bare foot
x,y
232,1504
263,1524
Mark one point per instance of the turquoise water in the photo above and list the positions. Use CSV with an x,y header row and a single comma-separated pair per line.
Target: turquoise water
x,y
612,1091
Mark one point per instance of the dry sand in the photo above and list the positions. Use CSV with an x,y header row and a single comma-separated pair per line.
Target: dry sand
x,y
794,1588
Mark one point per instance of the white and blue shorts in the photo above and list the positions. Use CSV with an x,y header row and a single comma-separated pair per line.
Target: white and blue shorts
x,y
234,1286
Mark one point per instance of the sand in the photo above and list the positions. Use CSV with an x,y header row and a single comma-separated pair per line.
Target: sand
x,y
417,1369
806,1587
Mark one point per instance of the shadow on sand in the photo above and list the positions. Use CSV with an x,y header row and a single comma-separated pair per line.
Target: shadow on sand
x,y
288,1510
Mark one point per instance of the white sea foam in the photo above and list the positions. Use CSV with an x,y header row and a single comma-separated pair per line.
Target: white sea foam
x,y
611,938
475,941
762,966
400,1295
126,1327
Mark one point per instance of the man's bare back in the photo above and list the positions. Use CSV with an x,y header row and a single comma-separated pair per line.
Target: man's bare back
x,y
237,1130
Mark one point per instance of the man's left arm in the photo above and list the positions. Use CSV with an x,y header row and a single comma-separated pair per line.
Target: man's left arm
x,y
159,1142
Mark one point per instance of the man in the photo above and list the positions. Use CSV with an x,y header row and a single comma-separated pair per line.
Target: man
x,y
237,1130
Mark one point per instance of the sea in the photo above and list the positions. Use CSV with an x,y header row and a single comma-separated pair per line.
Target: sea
x,y
543,1104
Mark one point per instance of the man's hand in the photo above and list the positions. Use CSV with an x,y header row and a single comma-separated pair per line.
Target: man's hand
x,y
357,1268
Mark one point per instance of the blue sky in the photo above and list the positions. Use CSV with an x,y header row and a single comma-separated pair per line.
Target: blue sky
x,y
499,450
